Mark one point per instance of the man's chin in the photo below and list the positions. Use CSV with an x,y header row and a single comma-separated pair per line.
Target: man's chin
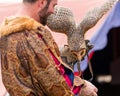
x,y
43,22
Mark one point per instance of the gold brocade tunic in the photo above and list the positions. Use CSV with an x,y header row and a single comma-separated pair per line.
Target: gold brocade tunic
x,y
28,69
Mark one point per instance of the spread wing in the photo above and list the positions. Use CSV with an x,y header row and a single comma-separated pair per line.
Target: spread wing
x,y
93,16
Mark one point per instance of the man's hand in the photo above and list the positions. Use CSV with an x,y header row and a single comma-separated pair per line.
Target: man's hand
x,y
88,89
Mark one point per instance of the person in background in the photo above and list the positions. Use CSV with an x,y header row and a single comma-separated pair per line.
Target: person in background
x,y
30,59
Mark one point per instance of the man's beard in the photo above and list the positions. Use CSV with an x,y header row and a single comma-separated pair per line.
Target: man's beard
x,y
44,15
43,20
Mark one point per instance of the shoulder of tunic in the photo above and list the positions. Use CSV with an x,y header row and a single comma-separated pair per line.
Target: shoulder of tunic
x,y
17,24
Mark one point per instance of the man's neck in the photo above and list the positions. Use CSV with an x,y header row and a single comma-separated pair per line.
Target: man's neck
x,y
27,10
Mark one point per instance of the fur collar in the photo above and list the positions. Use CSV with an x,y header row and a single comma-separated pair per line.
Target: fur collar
x,y
17,24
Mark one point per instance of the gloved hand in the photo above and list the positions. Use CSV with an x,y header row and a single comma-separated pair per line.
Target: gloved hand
x,y
88,89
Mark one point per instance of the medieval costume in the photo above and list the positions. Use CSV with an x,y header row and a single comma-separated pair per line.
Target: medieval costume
x,y
31,63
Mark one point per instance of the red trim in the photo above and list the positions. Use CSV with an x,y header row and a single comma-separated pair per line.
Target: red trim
x,y
61,69
91,55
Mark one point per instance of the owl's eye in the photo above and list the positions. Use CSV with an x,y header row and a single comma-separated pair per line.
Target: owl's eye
x,y
74,53
82,52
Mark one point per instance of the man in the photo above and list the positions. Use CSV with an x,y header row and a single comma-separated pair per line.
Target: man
x,y
31,64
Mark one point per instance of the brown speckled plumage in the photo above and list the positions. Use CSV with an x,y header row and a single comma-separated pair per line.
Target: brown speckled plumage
x,y
63,21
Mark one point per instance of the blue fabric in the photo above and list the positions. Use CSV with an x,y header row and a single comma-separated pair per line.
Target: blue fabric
x,y
70,74
76,95
99,40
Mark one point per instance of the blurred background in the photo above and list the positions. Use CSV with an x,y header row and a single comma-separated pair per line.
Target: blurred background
x,y
105,37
